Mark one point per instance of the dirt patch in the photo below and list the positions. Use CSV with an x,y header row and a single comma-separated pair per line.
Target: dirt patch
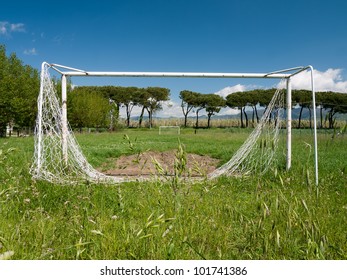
x,y
144,164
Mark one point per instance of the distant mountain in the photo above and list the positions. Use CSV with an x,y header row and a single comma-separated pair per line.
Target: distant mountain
x,y
295,115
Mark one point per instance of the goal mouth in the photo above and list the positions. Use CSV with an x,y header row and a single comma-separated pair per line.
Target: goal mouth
x,y
58,157
149,164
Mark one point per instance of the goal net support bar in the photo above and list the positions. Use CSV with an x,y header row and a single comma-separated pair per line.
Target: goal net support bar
x,y
286,74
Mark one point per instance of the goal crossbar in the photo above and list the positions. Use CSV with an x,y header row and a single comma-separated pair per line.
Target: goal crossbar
x,y
286,74
281,74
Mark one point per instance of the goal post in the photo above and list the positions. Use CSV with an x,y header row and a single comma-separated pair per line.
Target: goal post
x,y
169,129
289,124
65,72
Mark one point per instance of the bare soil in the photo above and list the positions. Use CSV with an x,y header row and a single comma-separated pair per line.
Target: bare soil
x,y
146,164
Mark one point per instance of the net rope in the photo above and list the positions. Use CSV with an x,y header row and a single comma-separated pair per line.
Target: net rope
x,y
256,155
49,163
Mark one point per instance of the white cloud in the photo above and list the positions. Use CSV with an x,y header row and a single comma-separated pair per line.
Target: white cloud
x,y
3,29
136,111
17,27
228,111
57,39
30,52
170,109
330,80
6,28
228,90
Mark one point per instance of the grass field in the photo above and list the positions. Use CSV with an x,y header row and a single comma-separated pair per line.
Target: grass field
x,y
281,215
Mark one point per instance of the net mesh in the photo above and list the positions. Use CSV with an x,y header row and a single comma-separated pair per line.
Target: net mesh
x,y
49,162
52,164
257,154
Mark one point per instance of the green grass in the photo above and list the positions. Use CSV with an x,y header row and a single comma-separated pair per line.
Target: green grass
x,y
281,215
218,143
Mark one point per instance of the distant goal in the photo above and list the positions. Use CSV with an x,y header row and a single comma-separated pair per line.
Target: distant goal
x,y
169,129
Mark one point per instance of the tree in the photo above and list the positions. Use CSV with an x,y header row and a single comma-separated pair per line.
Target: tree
x,y
128,97
253,98
247,100
24,103
88,108
5,94
258,97
336,103
236,100
108,93
214,103
156,95
187,104
303,98
199,103
19,87
319,101
144,95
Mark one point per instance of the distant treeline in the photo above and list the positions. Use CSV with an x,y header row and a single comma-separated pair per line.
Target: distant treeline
x,y
99,106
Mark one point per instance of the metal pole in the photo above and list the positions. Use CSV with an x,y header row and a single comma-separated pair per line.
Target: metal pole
x,y
39,117
289,124
314,118
275,74
314,125
64,118
177,75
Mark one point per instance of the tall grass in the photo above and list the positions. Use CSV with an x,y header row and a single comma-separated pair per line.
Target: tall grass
x,y
281,215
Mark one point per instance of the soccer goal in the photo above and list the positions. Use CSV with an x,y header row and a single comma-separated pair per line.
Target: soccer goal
x,y
58,157
169,129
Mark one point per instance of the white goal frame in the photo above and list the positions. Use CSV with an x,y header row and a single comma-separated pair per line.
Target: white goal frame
x,y
286,74
170,126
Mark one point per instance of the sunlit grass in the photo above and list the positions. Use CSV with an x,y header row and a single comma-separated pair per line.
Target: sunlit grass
x,y
282,215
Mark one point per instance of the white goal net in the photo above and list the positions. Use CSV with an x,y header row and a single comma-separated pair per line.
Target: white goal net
x,y
49,161
258,152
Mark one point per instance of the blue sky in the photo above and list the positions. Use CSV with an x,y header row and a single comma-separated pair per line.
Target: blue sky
x,y
182,35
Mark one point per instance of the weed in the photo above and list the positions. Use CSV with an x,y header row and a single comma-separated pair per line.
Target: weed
x,y
277,216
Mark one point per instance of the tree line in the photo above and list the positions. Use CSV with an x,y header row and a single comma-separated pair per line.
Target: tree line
x,y
19,87
98,106
331,102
